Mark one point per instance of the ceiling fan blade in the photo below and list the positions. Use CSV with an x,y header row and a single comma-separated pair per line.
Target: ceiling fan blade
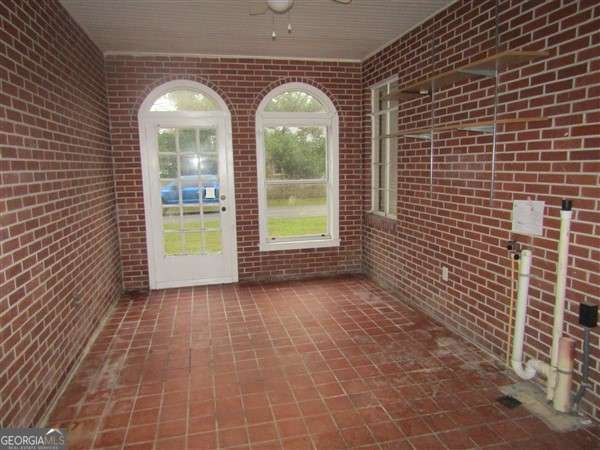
x,y
258,8
343,2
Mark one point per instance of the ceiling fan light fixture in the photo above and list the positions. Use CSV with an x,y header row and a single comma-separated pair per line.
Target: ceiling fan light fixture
x,y
280,6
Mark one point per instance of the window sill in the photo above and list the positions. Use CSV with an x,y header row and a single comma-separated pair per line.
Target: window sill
x,y
382,215
298,245
381,222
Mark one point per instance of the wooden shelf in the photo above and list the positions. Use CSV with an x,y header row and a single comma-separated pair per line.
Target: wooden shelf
x,y
481,126
486,67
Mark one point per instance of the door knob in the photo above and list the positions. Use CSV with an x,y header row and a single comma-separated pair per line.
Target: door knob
x,y
223,208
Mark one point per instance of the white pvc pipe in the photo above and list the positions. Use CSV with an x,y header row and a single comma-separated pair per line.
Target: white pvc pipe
x,y
564,375
559,294
529,371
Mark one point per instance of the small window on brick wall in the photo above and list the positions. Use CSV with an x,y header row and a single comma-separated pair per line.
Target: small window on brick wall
x,y
297,159
384,160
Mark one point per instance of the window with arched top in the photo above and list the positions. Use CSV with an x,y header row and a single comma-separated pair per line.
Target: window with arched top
x,y
297,166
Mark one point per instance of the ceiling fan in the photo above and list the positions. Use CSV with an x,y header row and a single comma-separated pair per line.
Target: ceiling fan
x,y
260,7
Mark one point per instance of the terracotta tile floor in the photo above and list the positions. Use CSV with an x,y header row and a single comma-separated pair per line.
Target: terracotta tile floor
x,y
326,364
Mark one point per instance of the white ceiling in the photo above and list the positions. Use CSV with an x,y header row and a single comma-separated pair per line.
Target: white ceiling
x,y
321,28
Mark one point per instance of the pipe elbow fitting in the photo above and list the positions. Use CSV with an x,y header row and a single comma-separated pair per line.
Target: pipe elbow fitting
x,y
539,367
526,372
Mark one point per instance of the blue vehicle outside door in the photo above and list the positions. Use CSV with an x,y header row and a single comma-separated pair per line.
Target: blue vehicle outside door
x,y
190,191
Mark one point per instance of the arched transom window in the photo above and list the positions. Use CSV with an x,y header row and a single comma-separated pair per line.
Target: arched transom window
x,y
297,157
184,100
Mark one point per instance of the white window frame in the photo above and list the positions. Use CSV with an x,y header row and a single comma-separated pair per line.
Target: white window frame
x,y
386,212
329,120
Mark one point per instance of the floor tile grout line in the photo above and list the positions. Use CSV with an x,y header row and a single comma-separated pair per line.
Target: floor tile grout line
x,y
250,327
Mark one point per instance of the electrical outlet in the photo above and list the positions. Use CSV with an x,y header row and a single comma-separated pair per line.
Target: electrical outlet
x,y
444,273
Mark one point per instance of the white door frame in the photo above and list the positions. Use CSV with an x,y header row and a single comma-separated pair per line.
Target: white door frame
x,y
146,119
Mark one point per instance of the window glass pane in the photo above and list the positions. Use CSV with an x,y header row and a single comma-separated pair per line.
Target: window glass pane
x,y
184,101
381,199
393,202
393,175
379,183
393,121
295,153
375,201
385,157
296,209
393,88
380,103
294,101
379,151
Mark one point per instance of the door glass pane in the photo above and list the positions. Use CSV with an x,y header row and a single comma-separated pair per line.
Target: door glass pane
x,y
169,192
166,140
187,140
173,243
168,165
190,166
209,165
181,243
192,244
190,191
296,209
212,231
207,138
192,218
171,218
172,230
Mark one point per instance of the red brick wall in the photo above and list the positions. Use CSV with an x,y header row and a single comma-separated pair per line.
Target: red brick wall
x,y
547,160
58,229
242,83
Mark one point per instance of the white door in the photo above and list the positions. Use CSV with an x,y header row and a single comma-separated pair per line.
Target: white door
x,y
191,223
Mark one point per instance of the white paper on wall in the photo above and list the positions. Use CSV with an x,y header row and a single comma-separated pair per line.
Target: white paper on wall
x,y
528,217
